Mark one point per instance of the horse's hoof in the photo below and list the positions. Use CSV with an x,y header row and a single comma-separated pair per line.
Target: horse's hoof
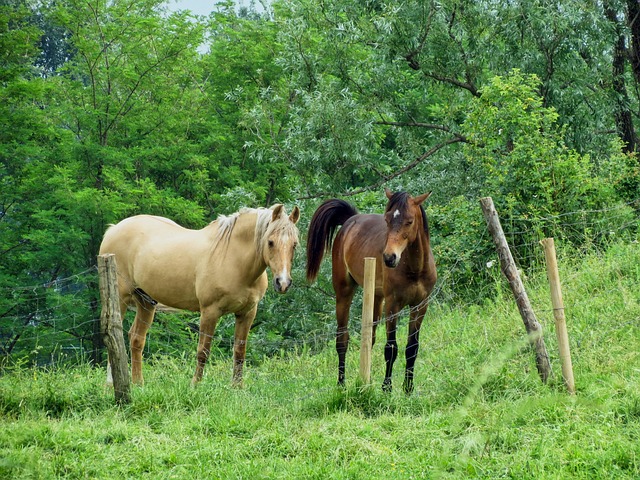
x,y
408,388
386,386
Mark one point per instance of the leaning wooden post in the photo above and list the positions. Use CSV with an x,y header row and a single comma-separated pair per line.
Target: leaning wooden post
x,y
558,313
534,330
367,319
111,327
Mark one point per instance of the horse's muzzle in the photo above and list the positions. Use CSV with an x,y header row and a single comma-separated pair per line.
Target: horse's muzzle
x,y
281,285
391,260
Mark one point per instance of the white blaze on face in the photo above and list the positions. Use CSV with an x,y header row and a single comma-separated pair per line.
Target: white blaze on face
x,y
284,274
396,213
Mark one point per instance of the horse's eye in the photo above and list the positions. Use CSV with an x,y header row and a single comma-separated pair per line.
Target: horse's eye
x,y
409,223
271,244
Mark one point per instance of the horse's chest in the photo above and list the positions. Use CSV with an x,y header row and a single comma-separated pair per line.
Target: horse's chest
x,y
407,292
236,300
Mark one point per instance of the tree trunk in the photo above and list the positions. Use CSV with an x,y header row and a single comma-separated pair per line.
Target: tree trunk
x,y
623,118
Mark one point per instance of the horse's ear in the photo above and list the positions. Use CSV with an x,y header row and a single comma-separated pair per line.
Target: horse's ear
x,y
277,210
421,198
388,193
295,215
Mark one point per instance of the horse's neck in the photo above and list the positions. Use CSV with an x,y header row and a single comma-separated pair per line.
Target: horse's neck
x,y
418,253
240,247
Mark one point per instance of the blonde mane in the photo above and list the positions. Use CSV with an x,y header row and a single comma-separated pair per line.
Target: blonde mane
x,y
264,226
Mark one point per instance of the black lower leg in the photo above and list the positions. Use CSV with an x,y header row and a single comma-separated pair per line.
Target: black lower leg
x,y
411,354
341,348
390,355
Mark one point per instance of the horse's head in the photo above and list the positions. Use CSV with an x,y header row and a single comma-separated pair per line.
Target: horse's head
x,y
280,241
405,219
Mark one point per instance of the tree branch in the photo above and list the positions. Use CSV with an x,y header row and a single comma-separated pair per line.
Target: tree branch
x,y
396,174
467,86
431,126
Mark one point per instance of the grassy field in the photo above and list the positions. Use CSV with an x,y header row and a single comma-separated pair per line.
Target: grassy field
x,y
479,409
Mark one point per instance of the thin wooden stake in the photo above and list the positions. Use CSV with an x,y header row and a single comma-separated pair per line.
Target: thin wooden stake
x,y
534,330
367,319
111,327
558,313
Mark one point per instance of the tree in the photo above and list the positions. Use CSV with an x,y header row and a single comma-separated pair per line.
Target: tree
x,y
400,77
26,137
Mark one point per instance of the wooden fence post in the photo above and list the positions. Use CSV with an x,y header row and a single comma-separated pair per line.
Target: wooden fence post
x,y
111,327
534,330
558,313
367,319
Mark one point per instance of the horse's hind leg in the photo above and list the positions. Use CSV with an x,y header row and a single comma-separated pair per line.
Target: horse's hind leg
x,y
344,297
416,315
138,336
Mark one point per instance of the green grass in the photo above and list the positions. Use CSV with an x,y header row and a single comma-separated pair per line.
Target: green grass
x,y
479,409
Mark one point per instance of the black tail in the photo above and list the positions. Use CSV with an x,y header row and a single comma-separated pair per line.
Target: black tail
x,y
326,220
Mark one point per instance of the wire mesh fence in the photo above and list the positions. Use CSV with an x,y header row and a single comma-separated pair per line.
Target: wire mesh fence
x,y
57,323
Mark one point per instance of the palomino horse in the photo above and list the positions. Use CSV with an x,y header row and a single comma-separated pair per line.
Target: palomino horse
x,y
217,270
405,272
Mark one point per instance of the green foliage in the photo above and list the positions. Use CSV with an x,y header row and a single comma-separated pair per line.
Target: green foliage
x,y
463,249
517,148
516,154
112,108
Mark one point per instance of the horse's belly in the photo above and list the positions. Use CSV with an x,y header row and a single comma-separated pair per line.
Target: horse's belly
x,y
172,285
172,293
230,297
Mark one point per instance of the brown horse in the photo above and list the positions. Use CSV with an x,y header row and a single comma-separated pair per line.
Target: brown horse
x,y
217,270
405,272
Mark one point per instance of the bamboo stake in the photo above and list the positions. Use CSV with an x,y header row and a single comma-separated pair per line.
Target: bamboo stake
x,y
111,327
558,313
534,330
367,319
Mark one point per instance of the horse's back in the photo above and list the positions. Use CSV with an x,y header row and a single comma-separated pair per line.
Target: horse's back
x,y
140,231
141,223
156,254
360,237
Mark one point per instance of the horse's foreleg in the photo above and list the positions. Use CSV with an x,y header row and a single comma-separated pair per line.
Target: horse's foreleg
x,y
243,325
208,321
411,353
377,317
391,347
138,337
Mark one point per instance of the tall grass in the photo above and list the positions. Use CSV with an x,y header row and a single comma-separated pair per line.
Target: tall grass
x,y
479,409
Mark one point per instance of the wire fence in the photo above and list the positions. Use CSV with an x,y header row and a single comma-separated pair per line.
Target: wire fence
x,y
57,323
